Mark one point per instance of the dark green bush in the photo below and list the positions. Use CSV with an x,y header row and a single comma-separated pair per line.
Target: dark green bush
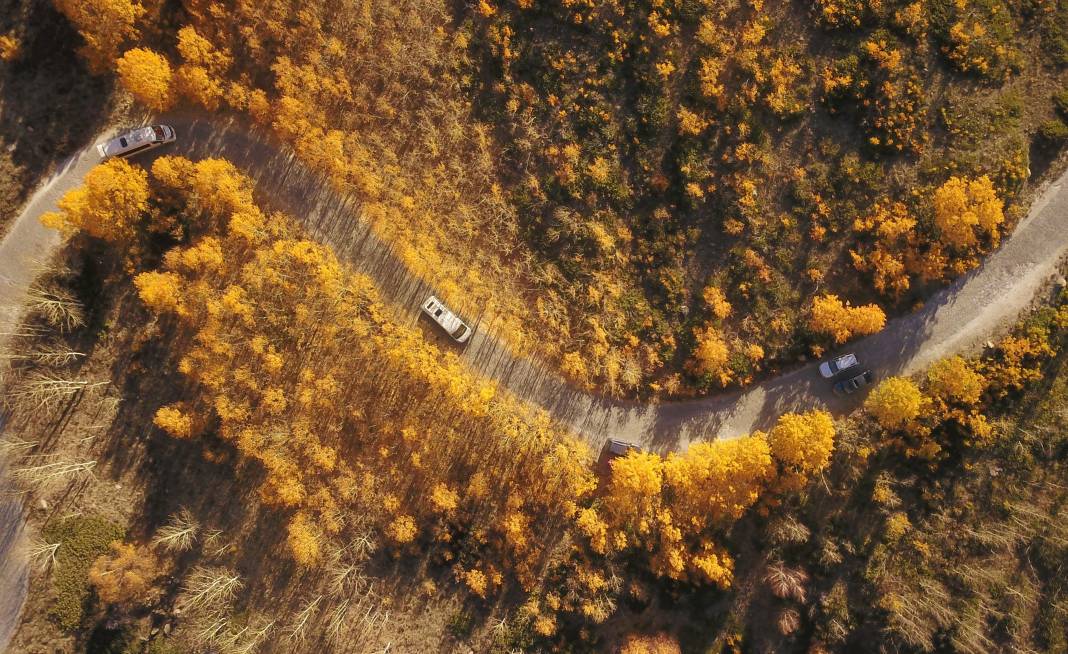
x,y
1053,132
1060,102
81,540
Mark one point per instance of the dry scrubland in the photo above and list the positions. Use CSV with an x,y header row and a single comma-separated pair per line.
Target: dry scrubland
x,y
662,197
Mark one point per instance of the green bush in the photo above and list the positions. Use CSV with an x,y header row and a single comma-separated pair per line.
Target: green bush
x,y
1053,132
1060,102
81,540
460,625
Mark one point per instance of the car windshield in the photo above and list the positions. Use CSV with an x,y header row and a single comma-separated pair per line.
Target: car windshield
x,y
159,132
456,333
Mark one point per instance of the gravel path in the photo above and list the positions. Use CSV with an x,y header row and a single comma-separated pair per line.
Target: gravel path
x,y
23,250
957,319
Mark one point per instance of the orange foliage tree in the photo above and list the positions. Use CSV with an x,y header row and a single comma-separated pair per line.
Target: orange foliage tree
x,y
110,205
964,209
711,355
895,402
104,25
124,575
147,76
830,316
954,380
802,443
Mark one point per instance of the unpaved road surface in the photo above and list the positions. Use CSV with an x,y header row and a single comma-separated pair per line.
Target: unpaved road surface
x,y
23,252
973,309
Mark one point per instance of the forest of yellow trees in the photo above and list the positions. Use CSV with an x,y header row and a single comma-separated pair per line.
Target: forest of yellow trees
x,y
296,363
609,163
660,200
360,426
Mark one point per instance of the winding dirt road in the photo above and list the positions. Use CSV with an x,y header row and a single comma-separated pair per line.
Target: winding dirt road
x,y
973,309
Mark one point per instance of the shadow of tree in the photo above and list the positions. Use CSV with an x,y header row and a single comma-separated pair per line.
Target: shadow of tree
x,y
49,104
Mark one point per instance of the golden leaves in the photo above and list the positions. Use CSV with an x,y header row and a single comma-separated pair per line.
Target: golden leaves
x,y
109,205
830,316
895,402
147,76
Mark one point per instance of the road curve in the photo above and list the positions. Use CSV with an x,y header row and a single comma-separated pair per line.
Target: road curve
x,y
956,319
972,309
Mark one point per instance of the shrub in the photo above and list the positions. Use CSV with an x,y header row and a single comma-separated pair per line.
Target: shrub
x,y
81,540
124,575
1060,102
1053,132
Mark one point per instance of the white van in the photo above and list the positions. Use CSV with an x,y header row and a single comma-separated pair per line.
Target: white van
x,y
138,140
449,321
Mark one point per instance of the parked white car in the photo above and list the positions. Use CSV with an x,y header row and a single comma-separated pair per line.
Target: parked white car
x,y
449,321
831,368
137,140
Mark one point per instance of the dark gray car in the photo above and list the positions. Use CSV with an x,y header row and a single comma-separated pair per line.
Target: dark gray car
x,y
850,386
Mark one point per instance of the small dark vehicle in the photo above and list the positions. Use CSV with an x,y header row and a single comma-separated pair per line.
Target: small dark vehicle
x,y
851,385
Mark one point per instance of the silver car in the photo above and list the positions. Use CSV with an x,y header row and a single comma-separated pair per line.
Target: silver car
x,y
137,140
618,448
831,368
449,321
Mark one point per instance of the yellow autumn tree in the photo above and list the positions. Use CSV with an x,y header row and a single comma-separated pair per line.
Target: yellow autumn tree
x,y
147,76
895,402
175,421
303,538
125,574
865,319
964,209
633,490
104,25
197,84
716,301
803,442
476,582
711,355
954,380
109,205
402,530
717,481
199,51
893,251
661,643
162,291
832,317
10,47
